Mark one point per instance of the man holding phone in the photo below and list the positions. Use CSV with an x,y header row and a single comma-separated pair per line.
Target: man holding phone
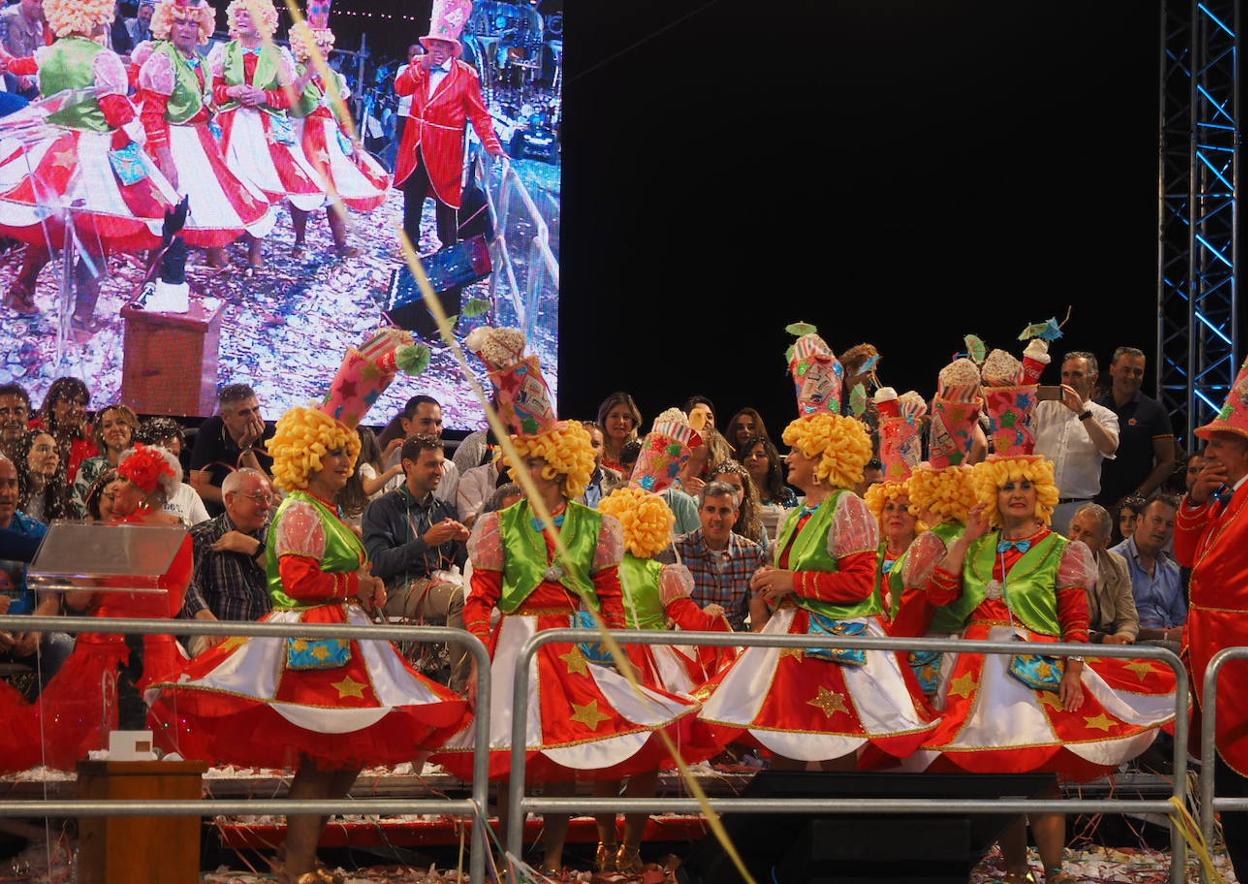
x,y
1212,539
1075,433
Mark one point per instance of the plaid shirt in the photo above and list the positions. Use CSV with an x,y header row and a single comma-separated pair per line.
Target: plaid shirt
x,y
232,585
722,577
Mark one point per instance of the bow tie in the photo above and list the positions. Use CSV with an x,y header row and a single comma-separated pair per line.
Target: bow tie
x,y
255,51
436,70
1021,545
539,526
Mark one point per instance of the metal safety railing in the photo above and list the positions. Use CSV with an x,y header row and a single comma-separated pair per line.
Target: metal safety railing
x,y
1210,804
509,200
520,804
476,806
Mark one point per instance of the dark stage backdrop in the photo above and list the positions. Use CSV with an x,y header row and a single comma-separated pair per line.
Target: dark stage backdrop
x,y
899,172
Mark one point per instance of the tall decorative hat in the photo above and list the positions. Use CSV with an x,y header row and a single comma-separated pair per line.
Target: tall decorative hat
x,y
368,370
1233,416
1010,406
955,411
447,23
318,14
817,373
664,451
524,401
901,444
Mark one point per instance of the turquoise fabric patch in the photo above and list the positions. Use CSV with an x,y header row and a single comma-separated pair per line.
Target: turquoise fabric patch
x,y
1038,671
594,652
821,624
128,163
314,653
927,666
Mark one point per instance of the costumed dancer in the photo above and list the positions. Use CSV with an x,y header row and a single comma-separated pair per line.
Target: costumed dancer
x,y
585,721
175,98
253,84
901,449
91,160
348,170
446,94
942,493
328,707
1010,578
75,712
657,596
822,704
1211,537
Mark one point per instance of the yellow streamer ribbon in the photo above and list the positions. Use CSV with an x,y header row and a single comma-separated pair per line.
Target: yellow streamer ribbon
x,y
1190,830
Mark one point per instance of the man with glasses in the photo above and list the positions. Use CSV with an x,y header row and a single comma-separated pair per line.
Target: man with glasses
x,y
14,417
233,438
229,581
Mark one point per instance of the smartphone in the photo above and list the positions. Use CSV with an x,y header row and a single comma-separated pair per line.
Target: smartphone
x,y
1049,393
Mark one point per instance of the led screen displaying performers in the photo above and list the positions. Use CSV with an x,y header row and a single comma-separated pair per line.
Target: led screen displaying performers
x,y
274,283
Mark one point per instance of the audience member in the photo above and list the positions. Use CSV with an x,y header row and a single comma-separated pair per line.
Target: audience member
x,y
46,651
1191,471
231,439
422,416
25,31
1112,616
603,480
620,422
1156,581
230,580
762,460
477,448
749,523
140,27
872,473
100,497
64,415
165,432
41,478
185,503
476,487
701,413
1145,454
745,425
14,417
1125,514
115,429
416,544
1077,434
721,561
368,480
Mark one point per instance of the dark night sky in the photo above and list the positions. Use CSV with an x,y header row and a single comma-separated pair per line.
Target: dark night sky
x,y
899,172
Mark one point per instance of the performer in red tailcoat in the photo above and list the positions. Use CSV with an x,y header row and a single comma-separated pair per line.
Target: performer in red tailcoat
x,y
446,93
1211,537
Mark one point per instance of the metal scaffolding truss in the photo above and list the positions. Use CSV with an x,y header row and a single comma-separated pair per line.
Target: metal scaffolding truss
x,y
1198,175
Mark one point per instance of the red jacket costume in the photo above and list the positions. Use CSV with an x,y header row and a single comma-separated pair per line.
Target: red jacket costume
x,y
1213,540
438,125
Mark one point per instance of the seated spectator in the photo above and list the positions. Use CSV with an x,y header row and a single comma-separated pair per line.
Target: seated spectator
x,y
603,480
368,480
139,28
115,429
230,581
185,503
721,561
872,474
43,650
14,416
41,478
64,415
416,544
1112,617
746,424
231,439
503,497
749,524
1191,470
100,497
422,416
619,418
477,448
762,462
1156,581
1127,510
476,487
701,412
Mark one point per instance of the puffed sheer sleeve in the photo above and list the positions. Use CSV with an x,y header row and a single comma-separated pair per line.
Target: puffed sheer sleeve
x,y
485,544
605,572
854,528
610,550
300,532
675,591
852,540
1076,574
925,553
156,74
156,82
675,583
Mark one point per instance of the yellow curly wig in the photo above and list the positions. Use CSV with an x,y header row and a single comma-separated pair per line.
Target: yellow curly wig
x,y
302,35
947,494
991,475
267,25
302,436
167,13
879,494
840,443
568,452
647,520
67,17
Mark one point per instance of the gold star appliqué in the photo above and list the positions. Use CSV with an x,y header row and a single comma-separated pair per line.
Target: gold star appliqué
x,y
1050,699
963,686
791,652
349,687
575,661
234,641
589,715
1142,669
1101,722
828,702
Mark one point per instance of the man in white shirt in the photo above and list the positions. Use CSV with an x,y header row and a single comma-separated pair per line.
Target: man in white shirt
x,y
422,416
1076,434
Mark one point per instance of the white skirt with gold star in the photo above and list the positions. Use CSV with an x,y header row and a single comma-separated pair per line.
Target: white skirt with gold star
x,y
993,723
350,171
269,701
809,709
583,720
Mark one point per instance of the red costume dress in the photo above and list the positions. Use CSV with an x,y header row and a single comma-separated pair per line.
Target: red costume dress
x,y
1213,540
357,178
